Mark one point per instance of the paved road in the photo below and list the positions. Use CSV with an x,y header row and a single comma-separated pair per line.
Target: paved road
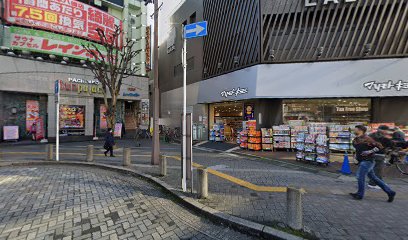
x,y
66,202
328,210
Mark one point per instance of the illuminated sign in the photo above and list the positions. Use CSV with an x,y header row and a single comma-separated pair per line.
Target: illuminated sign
x,y
49,43
390,85
234,92
65,16
314,3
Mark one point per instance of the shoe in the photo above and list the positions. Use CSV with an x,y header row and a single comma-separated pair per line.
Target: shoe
x,y
356,196
112,156
106,155
373,186
391,197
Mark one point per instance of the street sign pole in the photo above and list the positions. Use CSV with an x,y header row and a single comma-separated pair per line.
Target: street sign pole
x,y
193,30
184,60
57,98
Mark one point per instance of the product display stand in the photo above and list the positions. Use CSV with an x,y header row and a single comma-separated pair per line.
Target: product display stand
x,y
295,131
300,146
217,133
267,139
340,138
281,137
254,140
243,139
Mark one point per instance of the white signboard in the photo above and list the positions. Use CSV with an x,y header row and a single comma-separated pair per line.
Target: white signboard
x,y
10,133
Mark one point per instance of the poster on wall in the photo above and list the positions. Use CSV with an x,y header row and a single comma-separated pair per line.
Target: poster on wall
x,y
118,130
10,133
48,43
72,117
68,17
39,129
32,113
103,124
249,112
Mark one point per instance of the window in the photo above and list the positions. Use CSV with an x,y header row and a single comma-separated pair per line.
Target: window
x,y
193,18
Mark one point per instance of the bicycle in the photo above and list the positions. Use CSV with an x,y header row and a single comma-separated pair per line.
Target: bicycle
x,y
400,159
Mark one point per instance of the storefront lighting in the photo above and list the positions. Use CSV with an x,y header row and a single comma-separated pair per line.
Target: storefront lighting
x,y
82,61
320,52
66,59
367,49
14,110
271,54
84,65
52,56
11,53
4,48
236,60
63,62
40,59
26,52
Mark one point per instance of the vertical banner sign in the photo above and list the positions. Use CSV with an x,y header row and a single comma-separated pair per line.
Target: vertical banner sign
x,y
32,113
64,16
103,124
39,129
118,130
249,112
148,49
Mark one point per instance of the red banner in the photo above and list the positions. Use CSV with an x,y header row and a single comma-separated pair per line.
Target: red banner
x,y
40,129
64,16
32,113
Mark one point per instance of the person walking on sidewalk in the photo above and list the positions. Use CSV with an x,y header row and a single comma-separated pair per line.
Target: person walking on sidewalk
x,y
33,131
366,148
109,142
383,136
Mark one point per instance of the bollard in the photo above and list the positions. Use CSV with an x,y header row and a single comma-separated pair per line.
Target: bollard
x,y
90,153
163,165
49,152
202,183
126,157
294,209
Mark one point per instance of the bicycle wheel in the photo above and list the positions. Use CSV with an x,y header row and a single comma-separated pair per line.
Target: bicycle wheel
x,y
402,167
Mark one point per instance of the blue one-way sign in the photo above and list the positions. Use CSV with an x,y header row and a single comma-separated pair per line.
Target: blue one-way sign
x,y
194,30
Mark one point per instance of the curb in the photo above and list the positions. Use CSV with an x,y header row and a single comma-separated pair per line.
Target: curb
x,y
242,225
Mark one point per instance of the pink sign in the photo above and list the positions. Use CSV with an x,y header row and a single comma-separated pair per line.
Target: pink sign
x,y
40,129
32,113
10,133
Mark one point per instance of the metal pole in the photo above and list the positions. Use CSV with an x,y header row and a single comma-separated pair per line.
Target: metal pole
x,y
184,58
57,124
156,94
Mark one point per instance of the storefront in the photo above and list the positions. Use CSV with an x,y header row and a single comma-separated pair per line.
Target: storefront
x,y
27,96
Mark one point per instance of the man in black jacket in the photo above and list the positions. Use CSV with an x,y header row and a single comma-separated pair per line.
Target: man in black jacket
x,y
109,142
382,135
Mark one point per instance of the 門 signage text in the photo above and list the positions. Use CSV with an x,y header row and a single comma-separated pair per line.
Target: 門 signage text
x,y
314,3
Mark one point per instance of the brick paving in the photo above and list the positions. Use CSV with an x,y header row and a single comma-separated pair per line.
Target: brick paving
x,y
328,210
68,202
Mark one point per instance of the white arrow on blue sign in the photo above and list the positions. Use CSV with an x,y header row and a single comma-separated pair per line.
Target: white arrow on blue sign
x,y
198,29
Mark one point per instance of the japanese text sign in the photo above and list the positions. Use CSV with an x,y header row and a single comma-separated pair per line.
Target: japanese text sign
x,y
65,16
49,43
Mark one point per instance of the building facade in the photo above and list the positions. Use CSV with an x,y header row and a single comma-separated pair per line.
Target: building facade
x,y
41,42
276,61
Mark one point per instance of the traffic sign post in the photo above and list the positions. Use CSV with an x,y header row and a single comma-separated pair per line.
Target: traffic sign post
x,y
193,30
57,98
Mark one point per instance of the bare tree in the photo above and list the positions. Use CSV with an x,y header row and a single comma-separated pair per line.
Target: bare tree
x,y
110,65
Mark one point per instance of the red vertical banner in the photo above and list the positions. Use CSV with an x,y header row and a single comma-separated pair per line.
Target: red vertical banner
x,y
32,113
40,129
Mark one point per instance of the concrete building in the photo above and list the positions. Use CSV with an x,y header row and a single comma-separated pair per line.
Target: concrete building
x,y
317,61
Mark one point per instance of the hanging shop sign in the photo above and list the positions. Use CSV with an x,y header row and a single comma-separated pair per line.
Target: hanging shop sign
x,y
234,92
32,113
314,3
103,124
249,112
389,85
64,16
49,43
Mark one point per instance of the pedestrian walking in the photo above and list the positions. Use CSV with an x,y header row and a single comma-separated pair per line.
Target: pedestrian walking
x,y
109,142
33,131
383,136
366,148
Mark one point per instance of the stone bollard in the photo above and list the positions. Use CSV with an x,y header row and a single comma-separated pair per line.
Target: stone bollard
x,y
294,208
90,153
163,165
49,152
126,157
202,183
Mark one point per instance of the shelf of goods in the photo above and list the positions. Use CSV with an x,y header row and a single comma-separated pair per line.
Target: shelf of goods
x,y
243,139
322,149
267,139
340,138
309,148
281,137
295,131
254,140
217,133
300,146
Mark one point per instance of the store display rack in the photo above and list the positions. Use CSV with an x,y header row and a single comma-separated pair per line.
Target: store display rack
x,y
294,132
340,138
217,133
243,139
281,137
267,139
254,140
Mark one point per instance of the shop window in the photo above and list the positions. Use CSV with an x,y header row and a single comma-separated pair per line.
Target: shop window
x,y
328,110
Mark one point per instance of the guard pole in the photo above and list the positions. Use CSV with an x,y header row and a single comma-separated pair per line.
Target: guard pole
x,y
163,165
202,183
294,208
90,153
49,148
126,157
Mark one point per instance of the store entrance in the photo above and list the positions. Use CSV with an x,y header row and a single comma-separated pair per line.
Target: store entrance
x,y
225,121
